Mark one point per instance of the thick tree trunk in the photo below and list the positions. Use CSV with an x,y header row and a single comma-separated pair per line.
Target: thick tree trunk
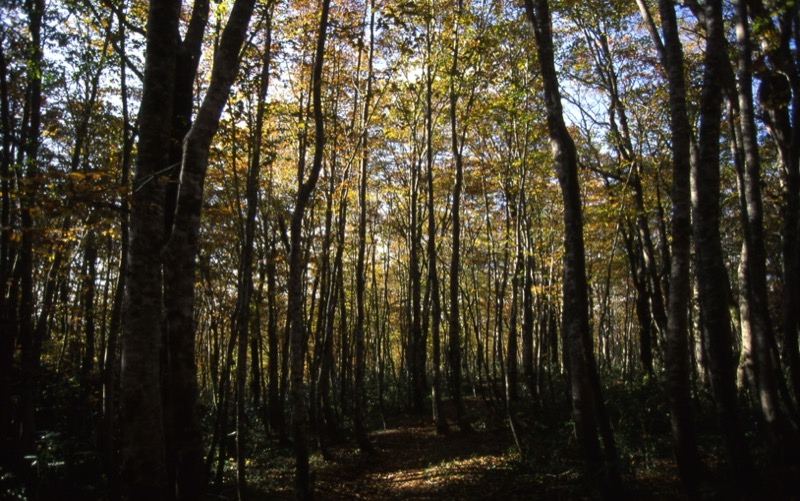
x,y
187,60
779,97
711,272
143,449
180,253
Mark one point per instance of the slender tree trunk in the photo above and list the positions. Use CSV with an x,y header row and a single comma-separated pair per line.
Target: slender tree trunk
x,y
242,323
89,323
433,277
322,364
677,350
358,333
303,481
588,411
527,320
759,354
29,345
7,326
512,358
454,328
274,400
110,364
416,342
642,306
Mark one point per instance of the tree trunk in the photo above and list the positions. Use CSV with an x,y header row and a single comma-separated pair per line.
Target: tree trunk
x,y
180,252
588,412
7,323
29,169
711,272
636,265
433,277
143,449
527,320
242,322
303,481
454,330
110,364
677,350
417,347
779,97
759,353
187,60
512,358
359,426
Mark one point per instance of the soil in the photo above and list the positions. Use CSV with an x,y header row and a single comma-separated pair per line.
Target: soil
x,y
411,461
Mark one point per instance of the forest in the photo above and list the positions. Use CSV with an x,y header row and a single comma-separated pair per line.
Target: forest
x,y
392,249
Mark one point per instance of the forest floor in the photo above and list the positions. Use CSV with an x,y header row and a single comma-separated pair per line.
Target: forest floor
x,y
411,461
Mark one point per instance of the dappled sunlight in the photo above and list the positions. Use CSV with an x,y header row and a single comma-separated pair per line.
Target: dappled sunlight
x,y
440,476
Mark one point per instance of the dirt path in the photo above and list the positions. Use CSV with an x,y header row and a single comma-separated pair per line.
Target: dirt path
x,y
411,461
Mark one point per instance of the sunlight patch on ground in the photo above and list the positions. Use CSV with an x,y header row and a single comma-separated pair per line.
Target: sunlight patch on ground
x,y
439,475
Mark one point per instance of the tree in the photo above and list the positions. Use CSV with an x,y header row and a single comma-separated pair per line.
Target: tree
x,y
588,409
677,354
779,96
144,453
760,352
358,334
245,286
454,331
433,275
306,184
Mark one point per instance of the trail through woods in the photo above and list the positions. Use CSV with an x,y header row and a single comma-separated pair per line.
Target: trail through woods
x,y
411,461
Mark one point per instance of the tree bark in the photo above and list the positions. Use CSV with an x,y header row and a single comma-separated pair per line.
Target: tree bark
x,y
779,97
433,277
359,426
8,335
602,466
303,481
454,328
761,344
711,272
179,255
143,449
677,350
242,323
